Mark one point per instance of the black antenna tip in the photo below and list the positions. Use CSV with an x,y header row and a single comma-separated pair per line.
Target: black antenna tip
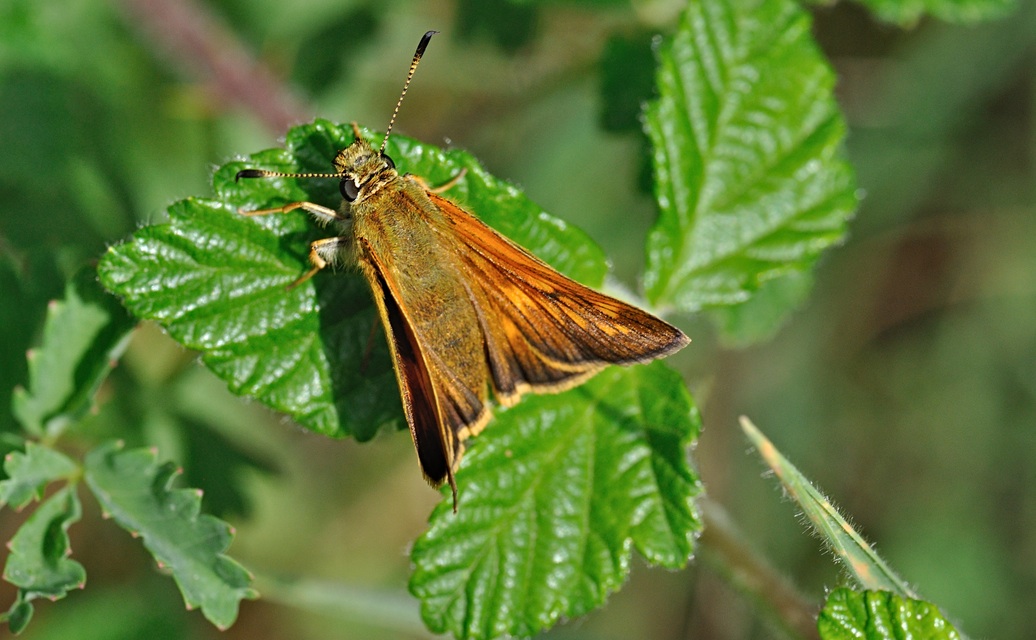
x,y
421,46
248,173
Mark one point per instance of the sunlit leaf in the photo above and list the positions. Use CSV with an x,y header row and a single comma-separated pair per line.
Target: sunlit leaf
x,y
881,615
751,178
554,497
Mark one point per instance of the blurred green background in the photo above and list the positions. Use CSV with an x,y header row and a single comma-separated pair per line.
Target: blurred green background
x,y
904,387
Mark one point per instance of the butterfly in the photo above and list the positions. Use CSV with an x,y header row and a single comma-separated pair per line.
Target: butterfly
x,y
465,310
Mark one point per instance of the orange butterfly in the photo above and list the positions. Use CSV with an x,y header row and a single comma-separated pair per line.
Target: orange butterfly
x,y
463,307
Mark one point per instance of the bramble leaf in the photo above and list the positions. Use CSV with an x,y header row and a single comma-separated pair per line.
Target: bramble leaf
x,y
751,178
82,337
908,12
552,500
19,615
881,615
136,491
39,564
29,472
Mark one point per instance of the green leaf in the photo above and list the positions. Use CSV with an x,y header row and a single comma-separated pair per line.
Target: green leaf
x,y
750,175
27,282
19,615
216,280
39,564
553,501
760,317
84,334
848,545
626,71
908,12
507,24
216,464
136,491
880,615
30,472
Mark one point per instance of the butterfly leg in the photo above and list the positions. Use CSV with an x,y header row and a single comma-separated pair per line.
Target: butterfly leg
x,y
320,213
322,253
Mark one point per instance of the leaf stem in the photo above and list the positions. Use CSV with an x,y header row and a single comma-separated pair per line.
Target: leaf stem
x,y
385,609
727,551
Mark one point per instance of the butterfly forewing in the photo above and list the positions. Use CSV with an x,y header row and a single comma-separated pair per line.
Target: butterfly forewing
x,y
432,330
545,332
434,447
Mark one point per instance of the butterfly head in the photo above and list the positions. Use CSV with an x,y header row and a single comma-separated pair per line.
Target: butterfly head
x,y
361,166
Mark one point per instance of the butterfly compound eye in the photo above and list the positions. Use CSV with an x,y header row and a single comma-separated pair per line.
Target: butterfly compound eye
x,y
349,189
388,161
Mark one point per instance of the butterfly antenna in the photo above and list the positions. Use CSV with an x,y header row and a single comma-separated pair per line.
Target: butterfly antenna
x,y
421,46
263,173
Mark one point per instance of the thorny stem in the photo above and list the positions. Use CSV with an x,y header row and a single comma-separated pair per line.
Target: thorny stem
x,y
190,36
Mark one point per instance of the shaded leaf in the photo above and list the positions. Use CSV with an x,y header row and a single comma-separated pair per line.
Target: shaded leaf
x,y
627,81
325,54
881,615
136,609
83,336
29,472
39,564
908,12
509,25
216,280
27,283
847,544
553,502
19,615
750,175
136,491
760,317
217,465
